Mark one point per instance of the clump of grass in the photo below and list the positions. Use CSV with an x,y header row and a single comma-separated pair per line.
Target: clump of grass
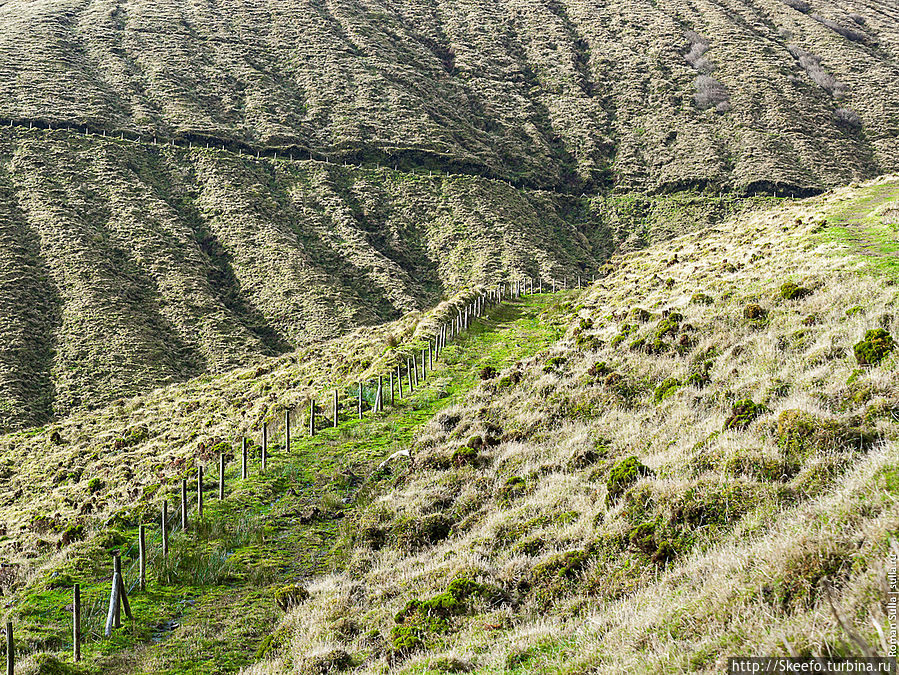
x,y
876,346
624,474
793,291
744,413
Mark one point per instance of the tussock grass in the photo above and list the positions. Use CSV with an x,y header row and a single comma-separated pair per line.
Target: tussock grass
x,y
722,546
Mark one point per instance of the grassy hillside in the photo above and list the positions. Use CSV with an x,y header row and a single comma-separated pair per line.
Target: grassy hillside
x,y
125,266
699,469
561,94
668,468
212,606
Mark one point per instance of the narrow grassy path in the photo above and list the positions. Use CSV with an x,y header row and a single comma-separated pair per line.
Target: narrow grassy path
x,y
857,225
212,607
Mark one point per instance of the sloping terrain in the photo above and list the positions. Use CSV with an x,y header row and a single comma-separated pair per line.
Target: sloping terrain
x,y
683,462
705,466
126,266
210,608
560,94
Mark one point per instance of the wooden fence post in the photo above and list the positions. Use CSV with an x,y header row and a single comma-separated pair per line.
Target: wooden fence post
x,y
410,372
312,417
113,616
199,491
76,624
424,372
287,431
391,387
10,650
123,594
243,458
142,553
222,476
399,377
359,400
379,396
431,349
165,530
184,505
335,408
264,457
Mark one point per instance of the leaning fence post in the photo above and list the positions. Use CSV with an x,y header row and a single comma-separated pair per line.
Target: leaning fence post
x,y
76,624
312,417
165,530
142,553
199,491
184,505
123,594
222,476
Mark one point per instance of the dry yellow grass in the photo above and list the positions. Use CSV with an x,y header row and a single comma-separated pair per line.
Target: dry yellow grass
x,y
756,518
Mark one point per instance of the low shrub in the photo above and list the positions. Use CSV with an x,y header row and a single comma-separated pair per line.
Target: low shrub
x,y
791,291
287,597
754,312
800,434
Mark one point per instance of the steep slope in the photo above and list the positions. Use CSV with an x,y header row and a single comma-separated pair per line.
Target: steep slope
x,y
560,94
129,266
700,469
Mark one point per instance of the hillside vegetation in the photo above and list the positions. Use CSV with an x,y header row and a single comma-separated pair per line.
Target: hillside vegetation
x,y
558,94
704,466
693,458
126,266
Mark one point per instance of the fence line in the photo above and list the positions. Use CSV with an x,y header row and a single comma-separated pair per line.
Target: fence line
x,y
149,548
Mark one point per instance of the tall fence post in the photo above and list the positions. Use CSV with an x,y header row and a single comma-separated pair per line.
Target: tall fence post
x,y
399,377
10,650
76,624
123,594
379,396
335,408
312,417
287,431
264,457
199,491
222,476
165,530
243,459
142,553
391,387
184,505
359,400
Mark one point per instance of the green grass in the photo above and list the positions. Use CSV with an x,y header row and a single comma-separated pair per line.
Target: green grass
x,y
856,225
208,609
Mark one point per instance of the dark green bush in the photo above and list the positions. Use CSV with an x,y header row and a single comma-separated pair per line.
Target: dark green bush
x,y
666,388
791,291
